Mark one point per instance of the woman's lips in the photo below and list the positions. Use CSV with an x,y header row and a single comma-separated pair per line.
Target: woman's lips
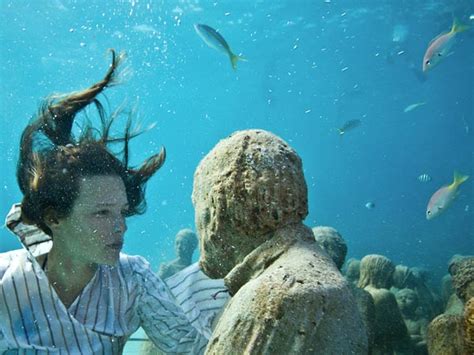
x,y
115,245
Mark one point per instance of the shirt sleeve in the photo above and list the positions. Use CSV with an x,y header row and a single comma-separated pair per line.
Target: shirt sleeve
x,y
164,322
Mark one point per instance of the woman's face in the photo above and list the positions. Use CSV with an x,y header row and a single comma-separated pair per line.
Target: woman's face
x,y
93,232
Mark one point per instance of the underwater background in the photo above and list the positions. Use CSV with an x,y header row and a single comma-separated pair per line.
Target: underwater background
x,y
311,66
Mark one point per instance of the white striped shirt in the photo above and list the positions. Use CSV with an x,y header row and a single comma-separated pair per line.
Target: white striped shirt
x,y
113,305
194,289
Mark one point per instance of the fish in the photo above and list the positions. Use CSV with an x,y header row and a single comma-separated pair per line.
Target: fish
x,y
444,196
399,33
347,126
370,205
440,46
424,178
215,40
413,106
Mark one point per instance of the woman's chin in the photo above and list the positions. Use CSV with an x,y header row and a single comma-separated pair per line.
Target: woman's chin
x,y
111,259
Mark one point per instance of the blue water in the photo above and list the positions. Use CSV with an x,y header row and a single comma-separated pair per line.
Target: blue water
x,y
312,65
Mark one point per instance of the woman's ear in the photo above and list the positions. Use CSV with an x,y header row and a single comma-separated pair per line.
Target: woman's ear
x,y
51,217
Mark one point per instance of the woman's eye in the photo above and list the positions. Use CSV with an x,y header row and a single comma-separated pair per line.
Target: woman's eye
x,y
102,213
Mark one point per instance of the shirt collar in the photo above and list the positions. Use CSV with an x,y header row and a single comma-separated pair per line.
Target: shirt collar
x,y
32,238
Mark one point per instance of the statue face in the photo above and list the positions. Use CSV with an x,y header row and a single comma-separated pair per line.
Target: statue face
x,y
184,247
407,300
217,256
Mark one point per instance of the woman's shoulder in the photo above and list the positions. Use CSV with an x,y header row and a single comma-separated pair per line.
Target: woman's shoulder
x,y
134,265
11,258
138,274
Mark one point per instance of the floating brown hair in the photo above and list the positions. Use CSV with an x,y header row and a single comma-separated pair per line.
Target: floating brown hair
x,y
52,160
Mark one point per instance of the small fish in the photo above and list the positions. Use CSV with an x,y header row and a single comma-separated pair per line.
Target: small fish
x,y
399,33
424,178
215,40
466,126
347,126
370,205
413,106
440,46
443,198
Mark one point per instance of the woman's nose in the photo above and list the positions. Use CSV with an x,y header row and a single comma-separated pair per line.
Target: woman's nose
x,y
120,225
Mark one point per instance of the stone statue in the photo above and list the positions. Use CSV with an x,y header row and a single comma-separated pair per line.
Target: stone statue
x,y
331,241
352,271
390,331
250,198
185,243
408,303
453,334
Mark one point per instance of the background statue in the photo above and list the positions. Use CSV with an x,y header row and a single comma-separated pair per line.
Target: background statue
x,y
452,334
390,331
352,271
408,303
331,241
184,245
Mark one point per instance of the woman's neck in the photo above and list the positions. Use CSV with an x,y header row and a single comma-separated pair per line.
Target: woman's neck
x,y
67,274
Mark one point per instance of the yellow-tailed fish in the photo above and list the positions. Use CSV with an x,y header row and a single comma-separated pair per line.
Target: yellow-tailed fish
x,y
215,40
347,126
440,46
443,198
413,106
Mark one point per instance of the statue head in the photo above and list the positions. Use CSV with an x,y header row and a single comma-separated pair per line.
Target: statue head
x,y
407,301
247,187
376,271
402,277
185,243
332,243
352,270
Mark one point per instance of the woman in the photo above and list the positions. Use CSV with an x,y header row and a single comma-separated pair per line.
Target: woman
x,y
70,290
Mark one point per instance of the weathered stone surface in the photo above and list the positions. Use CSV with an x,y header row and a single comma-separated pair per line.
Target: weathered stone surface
x,y
469,325
445,336
288,299
366,307
250,198
247,186
463,278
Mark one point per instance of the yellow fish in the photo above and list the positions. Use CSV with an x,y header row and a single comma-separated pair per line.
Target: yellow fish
x,y
215,40
440,46
443,198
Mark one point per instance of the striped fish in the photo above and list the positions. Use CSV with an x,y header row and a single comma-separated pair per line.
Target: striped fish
x,y
424,178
